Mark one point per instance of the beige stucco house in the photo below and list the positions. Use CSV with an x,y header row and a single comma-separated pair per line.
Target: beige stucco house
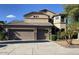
x,y
36,26
60,21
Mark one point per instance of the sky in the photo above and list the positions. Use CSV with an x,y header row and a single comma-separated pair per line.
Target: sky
x,y
10,12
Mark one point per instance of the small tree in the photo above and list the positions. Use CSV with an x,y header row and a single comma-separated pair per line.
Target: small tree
x,y
2,30
72,11
70,31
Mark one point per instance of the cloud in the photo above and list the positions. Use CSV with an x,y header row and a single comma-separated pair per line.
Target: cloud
x,y
10,16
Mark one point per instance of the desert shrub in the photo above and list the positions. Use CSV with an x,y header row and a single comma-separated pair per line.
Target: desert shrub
x,y
61,35
53,37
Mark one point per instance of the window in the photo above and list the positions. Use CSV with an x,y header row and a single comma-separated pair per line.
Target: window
x,y
63,19
57,17
36,16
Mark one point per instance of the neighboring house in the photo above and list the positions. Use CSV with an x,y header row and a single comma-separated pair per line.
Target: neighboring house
x,y
36,26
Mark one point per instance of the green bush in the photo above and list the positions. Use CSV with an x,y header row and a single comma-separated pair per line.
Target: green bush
x,y
53,37
1,36
61,35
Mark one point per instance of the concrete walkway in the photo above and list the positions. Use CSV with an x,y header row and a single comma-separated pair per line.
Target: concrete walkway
x,y
42,48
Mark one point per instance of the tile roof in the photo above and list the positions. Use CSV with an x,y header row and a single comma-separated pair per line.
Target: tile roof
x,y
32,24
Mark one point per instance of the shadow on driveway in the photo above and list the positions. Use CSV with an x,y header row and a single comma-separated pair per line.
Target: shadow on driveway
x,y
3,45
20,41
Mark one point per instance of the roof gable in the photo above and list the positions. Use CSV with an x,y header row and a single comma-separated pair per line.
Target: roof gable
x,y
31,13
45,10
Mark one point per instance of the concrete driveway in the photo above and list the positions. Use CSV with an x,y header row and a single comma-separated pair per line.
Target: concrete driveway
x,y
41,48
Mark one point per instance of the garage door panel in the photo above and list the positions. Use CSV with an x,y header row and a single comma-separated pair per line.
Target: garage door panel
x,y
42,34
24,34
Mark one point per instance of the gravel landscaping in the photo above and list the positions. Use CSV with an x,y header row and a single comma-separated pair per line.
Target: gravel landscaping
x,y
75,43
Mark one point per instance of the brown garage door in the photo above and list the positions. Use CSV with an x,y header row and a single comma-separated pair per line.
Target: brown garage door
x,y
42,34
22,34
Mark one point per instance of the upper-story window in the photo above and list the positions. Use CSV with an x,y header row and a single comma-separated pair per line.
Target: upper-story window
x,y
57,17
36,16
63,20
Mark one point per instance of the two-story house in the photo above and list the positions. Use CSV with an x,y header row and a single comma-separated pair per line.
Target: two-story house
x,y
36,26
